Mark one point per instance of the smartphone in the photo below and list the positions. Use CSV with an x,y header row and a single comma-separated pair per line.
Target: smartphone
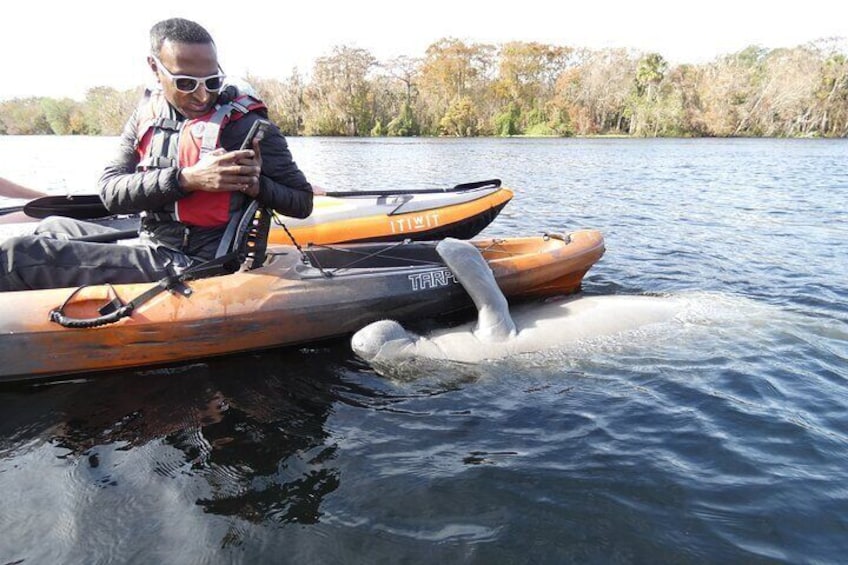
x,y
257,131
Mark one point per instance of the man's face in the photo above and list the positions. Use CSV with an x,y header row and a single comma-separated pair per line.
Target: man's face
x,y
192,59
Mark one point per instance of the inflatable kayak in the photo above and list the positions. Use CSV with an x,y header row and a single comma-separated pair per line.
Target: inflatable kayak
x,y
296,296
461,211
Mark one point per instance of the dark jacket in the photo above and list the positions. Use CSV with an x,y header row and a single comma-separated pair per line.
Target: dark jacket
x,y
283,188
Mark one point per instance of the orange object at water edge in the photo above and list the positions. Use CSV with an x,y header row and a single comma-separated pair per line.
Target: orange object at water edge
x,y
393,217
353,217
328,291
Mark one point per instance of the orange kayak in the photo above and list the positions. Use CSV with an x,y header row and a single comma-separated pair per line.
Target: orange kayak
x,y
422,215
461,211
293,298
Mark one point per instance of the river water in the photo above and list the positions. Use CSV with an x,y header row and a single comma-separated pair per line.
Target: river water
x,y
720,437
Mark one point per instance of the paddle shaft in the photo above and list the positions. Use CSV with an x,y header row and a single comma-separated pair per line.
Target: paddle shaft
x,y
89,206
494,183
11,209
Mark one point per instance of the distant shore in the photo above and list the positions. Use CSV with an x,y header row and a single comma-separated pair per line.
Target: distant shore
x,y
517,90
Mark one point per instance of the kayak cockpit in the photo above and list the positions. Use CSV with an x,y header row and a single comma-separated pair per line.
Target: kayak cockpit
x,y
372,256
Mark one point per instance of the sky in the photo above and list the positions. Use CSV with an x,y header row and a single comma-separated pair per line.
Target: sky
x,y
60,48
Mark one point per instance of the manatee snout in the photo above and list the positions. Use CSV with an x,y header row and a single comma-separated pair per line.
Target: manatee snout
x,y
369,342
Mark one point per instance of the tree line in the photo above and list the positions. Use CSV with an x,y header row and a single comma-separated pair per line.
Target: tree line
x,y
518,88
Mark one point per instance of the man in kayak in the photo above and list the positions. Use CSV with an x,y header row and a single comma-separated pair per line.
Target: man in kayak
x,y
180,165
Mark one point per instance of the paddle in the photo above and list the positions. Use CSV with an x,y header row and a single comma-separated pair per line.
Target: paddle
x,y
78,206
493,183
11,209
89,206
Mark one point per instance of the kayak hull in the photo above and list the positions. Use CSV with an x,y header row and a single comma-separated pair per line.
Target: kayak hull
x,y
289,301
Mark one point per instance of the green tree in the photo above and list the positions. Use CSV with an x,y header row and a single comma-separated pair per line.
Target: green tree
x,y
452,72
404,124
378,130
105,110
591,97
507,122
652,100
285,101
404,72
24,116
340,96
460,120
526,81
60,115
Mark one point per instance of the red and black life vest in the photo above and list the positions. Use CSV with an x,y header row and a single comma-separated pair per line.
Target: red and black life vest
x,y
165,141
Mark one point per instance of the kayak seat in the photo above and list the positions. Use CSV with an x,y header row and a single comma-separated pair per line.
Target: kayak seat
x,y
249,240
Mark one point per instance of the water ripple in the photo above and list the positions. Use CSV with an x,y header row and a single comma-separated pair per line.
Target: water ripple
x,y
718,437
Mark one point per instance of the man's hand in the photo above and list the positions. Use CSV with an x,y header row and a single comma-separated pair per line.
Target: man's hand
x,y
255,161
225,171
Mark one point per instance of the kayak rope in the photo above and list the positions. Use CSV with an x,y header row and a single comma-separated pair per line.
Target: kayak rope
x,y
291,237
248,250
115,309
384,252
57,315
313,261
492,248
303,256
173,281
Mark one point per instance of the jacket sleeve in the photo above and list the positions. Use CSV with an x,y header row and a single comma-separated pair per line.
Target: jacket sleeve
x,y
283,186
125,191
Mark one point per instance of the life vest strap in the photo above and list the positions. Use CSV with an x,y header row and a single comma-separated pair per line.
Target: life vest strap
x,y
167,123
160,216
240,107
213,127
157,162
227,240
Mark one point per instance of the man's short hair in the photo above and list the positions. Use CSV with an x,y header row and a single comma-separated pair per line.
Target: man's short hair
x,y
178,30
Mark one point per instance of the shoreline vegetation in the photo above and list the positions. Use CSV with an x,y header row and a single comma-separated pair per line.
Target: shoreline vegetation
x,y
517,89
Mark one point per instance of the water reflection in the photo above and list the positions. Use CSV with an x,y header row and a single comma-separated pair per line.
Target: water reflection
x,y
252,427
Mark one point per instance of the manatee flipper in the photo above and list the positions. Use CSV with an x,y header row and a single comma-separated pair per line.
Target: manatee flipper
x,y
466,263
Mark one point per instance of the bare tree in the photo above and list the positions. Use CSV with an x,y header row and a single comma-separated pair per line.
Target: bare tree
x,y
452,72
595,93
